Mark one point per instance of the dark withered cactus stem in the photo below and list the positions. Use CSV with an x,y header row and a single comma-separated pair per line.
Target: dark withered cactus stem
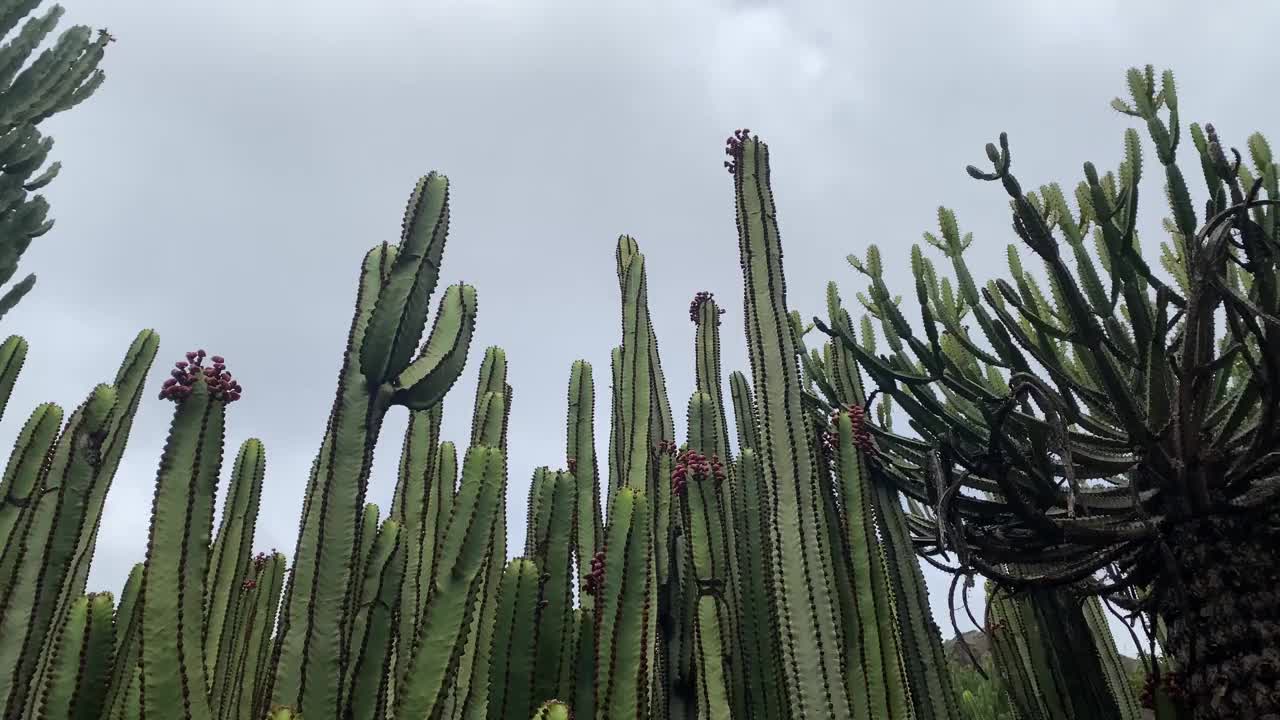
x,y
1112,431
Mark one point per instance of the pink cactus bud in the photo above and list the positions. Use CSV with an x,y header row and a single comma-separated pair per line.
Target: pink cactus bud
x,y
217,359
201,353
191,356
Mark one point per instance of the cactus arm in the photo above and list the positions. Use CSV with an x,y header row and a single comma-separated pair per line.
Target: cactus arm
x,y
514,668
927,675
21,476
245,685
621,643
81,664
441,638
13,354
400,312
426,380
581,448
584,671
177,559
124,682
229,558
373,629
414,507
43,545
469,696
317,598
552,552
130,383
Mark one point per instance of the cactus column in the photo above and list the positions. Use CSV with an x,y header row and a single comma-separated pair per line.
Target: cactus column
x,y
808,623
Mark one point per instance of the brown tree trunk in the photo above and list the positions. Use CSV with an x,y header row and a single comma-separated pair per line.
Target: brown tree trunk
x,y
1223,618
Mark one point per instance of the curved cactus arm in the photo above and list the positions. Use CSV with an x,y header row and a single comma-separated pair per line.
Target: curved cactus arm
x,y
81,661
441,638
21,476
374,626
514,668
171,650
425,381
555,710
13,354
400,313
808,618
43,545
230,558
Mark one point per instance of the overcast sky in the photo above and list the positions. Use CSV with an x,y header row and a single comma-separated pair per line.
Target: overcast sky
x,y
284,138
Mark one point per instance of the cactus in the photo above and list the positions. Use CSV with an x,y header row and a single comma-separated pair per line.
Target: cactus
x,y
49,520
1106,436
378,371
60,78
777,579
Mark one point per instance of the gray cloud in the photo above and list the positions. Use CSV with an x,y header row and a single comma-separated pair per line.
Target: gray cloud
x,y
224,184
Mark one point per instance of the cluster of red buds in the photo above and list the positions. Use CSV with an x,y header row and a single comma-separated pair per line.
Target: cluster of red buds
x,y
667,447
733,148
692,463
248,584
861,436
572,464
1170,682
185,373
594,580
696,304
260,560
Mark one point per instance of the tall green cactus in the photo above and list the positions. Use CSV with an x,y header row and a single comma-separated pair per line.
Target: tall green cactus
x,y
808,619
378,370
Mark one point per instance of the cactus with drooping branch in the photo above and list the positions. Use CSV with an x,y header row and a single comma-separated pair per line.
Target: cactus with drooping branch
x,y
1111,430
60,77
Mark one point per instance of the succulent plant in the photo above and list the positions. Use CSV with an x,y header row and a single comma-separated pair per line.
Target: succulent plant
x,y
1110,431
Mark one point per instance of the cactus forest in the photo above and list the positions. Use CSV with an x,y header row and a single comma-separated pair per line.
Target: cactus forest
x,y
1090,436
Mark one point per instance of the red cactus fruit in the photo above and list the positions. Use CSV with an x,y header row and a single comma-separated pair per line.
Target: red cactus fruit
x,y
733,148
594,580
185,373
